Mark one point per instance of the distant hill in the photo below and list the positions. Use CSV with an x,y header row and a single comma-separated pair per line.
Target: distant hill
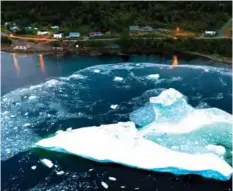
x,y
114,16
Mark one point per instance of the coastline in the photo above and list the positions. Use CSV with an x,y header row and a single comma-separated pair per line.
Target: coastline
x,y
89,51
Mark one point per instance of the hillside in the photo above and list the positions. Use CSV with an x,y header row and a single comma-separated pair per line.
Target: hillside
x,y
114,16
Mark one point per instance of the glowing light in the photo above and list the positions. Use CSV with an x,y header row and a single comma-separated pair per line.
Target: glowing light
x,y
42,66
15,61
177,29
174,61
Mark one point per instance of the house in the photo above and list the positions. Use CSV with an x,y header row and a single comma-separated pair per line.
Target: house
x,y
95,33
28,28
42,33
20,47
146,28
58,35
7,23
14,28
211,33
55,27
74,34
134,28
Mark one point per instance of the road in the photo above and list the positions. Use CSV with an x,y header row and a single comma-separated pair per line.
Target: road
x,y
31,38
102,39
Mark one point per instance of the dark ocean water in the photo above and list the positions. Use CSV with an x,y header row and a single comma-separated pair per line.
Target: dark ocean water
x,y
43,94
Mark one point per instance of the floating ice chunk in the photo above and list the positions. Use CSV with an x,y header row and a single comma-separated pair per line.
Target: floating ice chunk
x,y
167,97
104,184
60,172
219,150
97,71
33,167
118,79
153,76
136,188
129,148
113,106
123,187
4,99
112,178
47,162
26,124
32,97
90,169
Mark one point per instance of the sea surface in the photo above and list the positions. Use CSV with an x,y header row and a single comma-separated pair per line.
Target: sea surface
x,y
44,94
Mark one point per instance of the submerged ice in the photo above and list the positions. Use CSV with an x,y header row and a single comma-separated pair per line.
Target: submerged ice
x,y
173,136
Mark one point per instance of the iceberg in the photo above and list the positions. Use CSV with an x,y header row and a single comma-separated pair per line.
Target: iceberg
x,y
123,144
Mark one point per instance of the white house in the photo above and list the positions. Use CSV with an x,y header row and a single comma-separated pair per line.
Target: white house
x,y
55,27
20,47
57,35
41,33
210,32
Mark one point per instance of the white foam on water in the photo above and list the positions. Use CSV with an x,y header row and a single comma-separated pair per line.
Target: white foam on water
x,y
32,97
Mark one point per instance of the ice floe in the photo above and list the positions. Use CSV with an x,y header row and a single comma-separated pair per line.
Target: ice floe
x,y
113,106
122,143
59,173
153,76
118,79
47,162
104,184
34,167
112,178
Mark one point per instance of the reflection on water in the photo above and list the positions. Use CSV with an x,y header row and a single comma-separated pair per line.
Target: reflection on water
x,y
42,66
15,61
174,61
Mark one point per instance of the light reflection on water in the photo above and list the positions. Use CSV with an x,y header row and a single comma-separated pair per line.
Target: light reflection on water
x,y
15,62
175,61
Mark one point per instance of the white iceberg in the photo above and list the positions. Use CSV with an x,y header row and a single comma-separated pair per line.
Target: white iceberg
x,y
123,144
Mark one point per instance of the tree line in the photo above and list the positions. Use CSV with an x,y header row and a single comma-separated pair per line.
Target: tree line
x,y
116,16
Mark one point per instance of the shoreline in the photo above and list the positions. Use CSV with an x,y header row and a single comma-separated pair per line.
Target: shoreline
x,y
119,52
